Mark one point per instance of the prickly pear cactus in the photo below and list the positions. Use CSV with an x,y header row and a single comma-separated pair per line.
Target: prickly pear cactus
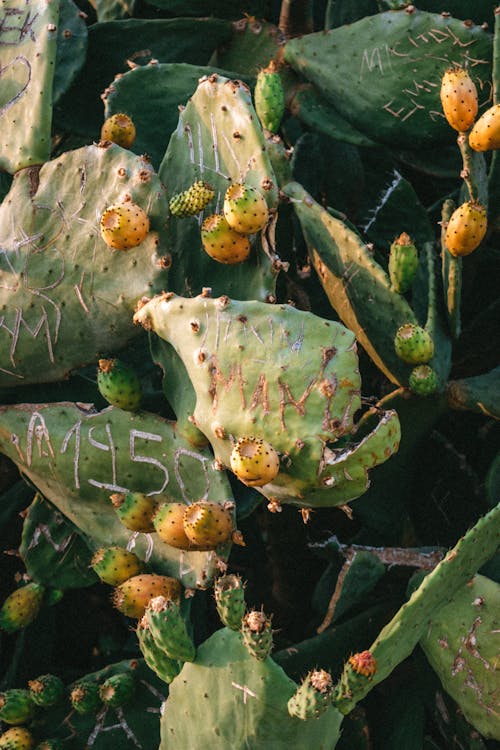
x,y
279,374
246,704
67,295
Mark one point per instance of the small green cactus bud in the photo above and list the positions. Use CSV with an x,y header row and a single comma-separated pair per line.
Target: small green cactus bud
x,y
50,744
191,201
169,630
17,738
156,659
84,697
119,384
124,225
313,696
135,510
132,597
485,135
169,525
403,263
413,344
459,98
245,209
21,607
114,565
208,524
257,634
119,129
222,243
466,228
254,461
117,690
423,380
230,600
16,706
46,690
269,98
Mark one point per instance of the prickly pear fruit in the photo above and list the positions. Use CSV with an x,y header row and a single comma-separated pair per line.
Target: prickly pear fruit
x,y
403,263
46,690
485,135
413,344
423,380
222,243
124,225
135,510
169,630
156,659
459,98
466,228
16,706
117,690
21,607
269,98
119,129
363,663
254,461
50,744
208,524
132,597
114,565
191,201
245,208
17,738
84,697
119,384
313,696
257,634
169,525
230,600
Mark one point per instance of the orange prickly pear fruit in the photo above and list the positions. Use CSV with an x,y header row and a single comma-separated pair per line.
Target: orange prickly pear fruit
x,y
245,208
208,524
223,243
124,225
132,597
17,738
119,129
254,461
114,565
459,98
485,135
169,525
135,510
466,228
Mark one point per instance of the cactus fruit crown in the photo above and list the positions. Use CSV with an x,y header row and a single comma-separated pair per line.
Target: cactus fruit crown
x,y
321,680
254,461
363,663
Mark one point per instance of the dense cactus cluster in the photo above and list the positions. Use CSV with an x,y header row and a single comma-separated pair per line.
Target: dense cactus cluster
x,y
249,381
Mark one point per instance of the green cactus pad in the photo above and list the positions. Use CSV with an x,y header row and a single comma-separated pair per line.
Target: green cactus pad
x,y
29,41
77,457
71,47
282,375
246,705
219,139
67,295
383,72
462,644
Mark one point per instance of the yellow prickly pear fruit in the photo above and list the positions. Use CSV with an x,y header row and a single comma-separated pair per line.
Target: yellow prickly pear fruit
x,y
245,208
21,607
135,510
169,525
208,524
17,738
114,565
124,225
133,596
485,135
119,129
222,243
466,228
254,461
459,98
